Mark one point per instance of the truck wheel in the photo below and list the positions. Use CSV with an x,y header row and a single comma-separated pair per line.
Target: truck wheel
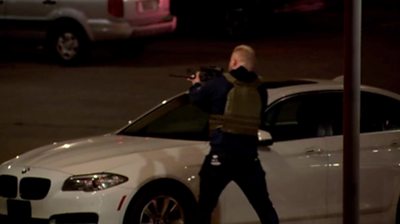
x,y
68,44
160,204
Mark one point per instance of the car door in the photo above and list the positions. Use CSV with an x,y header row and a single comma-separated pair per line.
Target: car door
x,y
379,161
2,8
2,17
29,9
28,18
295,165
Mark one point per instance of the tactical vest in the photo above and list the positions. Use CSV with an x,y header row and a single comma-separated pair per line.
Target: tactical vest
x,y
242,109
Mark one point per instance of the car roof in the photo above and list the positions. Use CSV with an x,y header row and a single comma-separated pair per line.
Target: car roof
x,y
280,89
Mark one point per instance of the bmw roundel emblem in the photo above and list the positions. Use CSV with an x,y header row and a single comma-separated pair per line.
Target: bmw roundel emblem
x,y
25,170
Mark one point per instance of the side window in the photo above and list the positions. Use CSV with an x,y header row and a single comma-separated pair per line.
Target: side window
x,y
310,115
281,121
379,113
175,119
186,122
320,114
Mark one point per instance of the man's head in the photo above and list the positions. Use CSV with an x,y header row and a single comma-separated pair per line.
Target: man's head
x,y
242,55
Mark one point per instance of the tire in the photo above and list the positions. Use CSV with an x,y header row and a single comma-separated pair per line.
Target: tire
x,y
165,204
68,43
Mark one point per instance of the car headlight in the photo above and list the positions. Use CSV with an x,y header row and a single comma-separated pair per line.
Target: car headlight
x,y
93,182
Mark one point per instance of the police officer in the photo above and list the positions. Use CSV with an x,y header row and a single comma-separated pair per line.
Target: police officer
x,y
234,120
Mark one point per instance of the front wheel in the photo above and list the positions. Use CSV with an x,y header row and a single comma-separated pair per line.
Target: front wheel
x,y
160,205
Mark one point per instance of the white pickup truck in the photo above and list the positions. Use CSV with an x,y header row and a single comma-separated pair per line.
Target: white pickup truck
x,y
69,26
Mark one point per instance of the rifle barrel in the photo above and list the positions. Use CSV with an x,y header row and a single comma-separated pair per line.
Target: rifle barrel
x,y
181,76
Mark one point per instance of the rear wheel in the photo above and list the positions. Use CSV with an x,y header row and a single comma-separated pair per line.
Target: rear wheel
x,y
68,43
162,204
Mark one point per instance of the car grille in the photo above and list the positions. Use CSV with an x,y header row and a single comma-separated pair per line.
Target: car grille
x,y
34,188
8,186
30,188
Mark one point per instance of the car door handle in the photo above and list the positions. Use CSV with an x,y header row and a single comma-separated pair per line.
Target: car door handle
x,y
313,150
395,144
49,2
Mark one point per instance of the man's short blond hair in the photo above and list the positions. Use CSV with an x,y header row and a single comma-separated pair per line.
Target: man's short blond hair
x,y
245,55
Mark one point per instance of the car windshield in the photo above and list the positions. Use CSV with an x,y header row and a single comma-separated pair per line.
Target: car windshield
x,y
175,119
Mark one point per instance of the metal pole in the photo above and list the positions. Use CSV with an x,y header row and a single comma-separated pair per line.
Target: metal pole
x,y
351,111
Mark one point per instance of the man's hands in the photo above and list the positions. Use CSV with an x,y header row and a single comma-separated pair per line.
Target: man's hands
x,y
194,78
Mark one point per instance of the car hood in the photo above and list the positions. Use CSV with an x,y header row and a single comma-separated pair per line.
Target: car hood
x,y
91,154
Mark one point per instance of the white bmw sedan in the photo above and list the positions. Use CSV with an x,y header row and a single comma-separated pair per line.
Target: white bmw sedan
x,y
147,172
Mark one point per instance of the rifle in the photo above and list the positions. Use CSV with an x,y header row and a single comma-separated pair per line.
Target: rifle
x,y
206,73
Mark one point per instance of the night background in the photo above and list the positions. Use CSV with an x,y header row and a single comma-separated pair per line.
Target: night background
x,y
44,102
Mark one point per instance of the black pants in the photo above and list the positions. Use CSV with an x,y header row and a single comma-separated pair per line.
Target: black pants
x,y
216,173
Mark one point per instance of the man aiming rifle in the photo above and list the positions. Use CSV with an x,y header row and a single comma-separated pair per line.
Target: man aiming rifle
x,y
235,101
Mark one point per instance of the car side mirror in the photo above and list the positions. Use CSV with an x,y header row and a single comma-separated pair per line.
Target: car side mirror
x,y
264,138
